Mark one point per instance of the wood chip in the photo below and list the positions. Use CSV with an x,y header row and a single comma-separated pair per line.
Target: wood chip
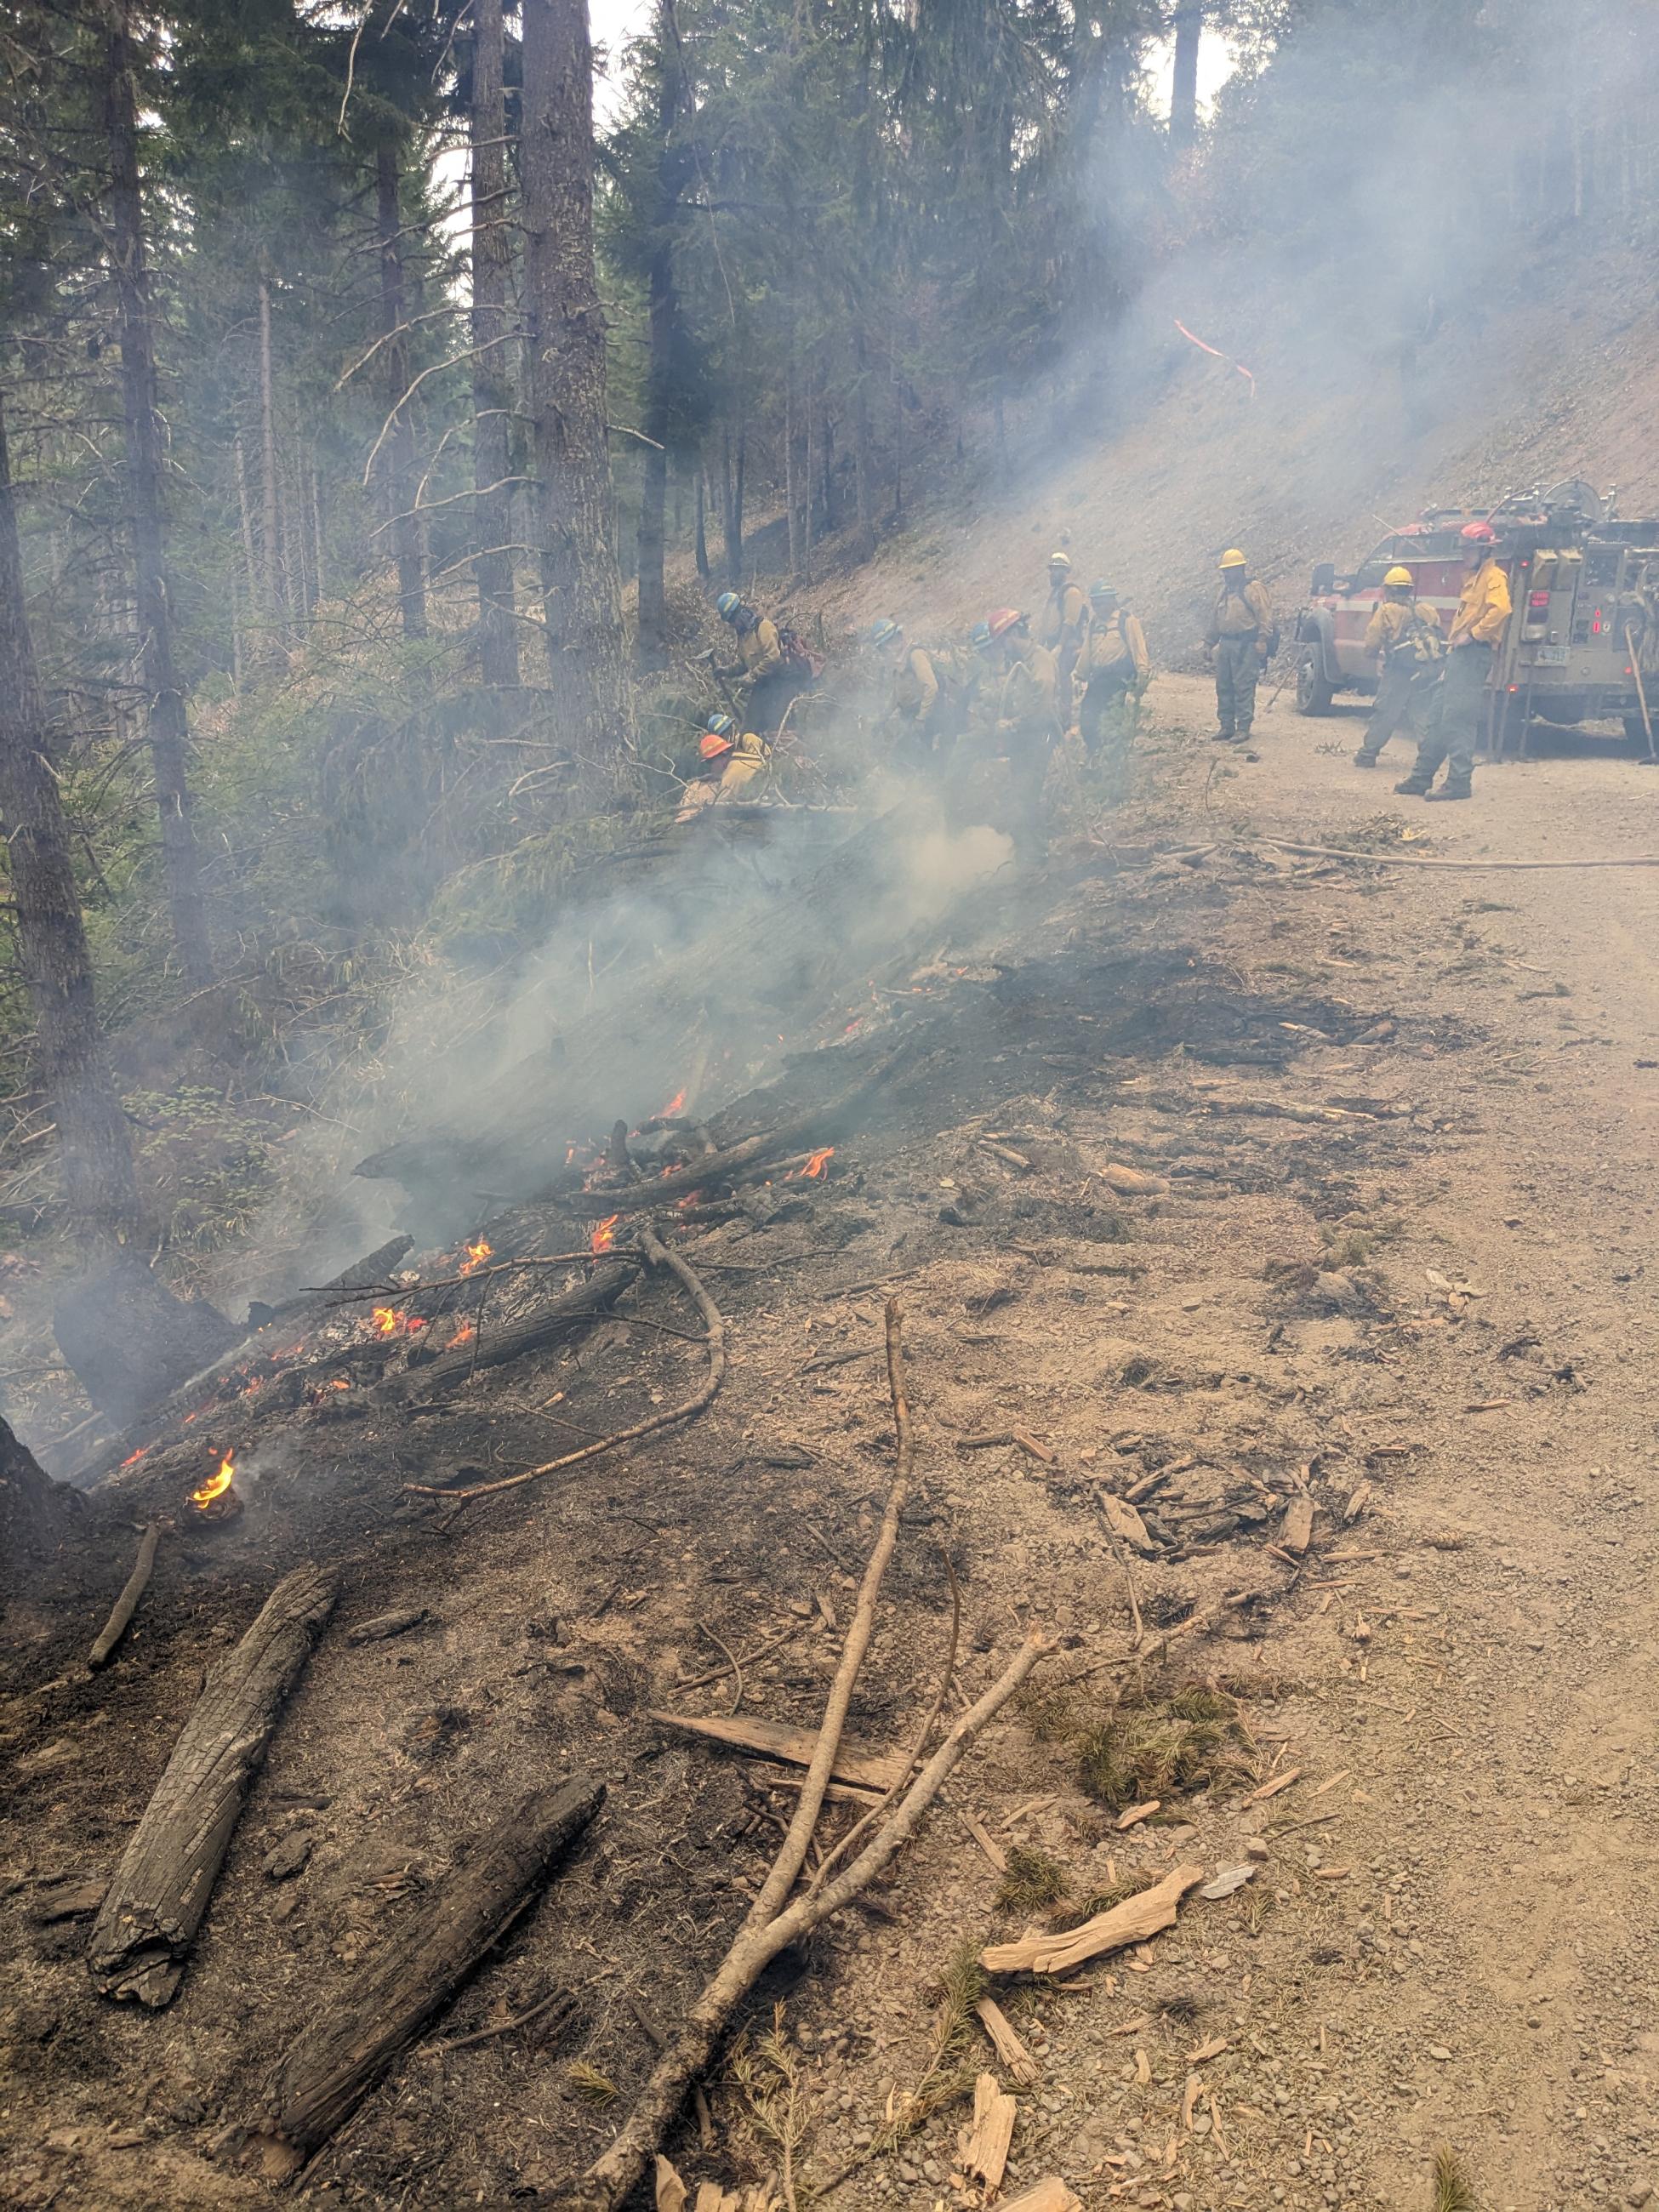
x,y
1124,1522
670,2189
1272,1789
1332,1783
1137,1813
1205,2052
1295,1530
984,2146
1143,2069
1189,2097
1049,2195
1131,1922
1008,2048
1230,1879
987,1842
1359,1498
1129,1182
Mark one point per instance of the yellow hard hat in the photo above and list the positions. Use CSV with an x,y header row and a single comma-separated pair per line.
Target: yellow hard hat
x,y
1060,560
1232,558
1397,576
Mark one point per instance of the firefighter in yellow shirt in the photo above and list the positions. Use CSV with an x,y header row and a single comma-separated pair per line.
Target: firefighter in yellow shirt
x,y
1026,709
1410,646
1483,607
1112,672
926,690
1062,624
1242,639
767,681
737,760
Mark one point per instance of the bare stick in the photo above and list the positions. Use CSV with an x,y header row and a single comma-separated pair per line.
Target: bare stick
x,y
715,1343
127,1604
1122,1558
562,1998
761,1651
1422,861
610,2178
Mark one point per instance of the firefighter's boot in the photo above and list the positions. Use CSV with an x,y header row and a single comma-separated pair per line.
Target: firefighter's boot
x,y
1459,789
1415,786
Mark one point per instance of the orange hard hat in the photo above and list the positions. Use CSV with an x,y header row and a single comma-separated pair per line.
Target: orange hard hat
x,y
1001,620
1478,533
712,746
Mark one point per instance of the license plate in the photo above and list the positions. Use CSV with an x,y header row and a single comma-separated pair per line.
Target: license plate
x,y
1550,656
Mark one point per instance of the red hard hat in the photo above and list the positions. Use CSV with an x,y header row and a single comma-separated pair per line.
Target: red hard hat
x,y
1478,533
712,747
1003,620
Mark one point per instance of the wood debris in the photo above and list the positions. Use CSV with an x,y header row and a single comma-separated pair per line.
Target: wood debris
x,y
1130,1922
983,2148
864,1769
1008,2048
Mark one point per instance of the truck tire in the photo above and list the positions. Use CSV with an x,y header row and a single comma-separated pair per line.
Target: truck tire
x,y
1313,691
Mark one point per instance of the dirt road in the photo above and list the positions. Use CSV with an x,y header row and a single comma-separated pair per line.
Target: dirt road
x,y
1504,1869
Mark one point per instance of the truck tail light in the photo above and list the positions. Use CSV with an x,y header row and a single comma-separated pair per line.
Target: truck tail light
x,y
1539,599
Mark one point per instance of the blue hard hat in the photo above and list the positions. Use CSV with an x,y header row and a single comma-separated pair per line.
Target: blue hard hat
x,y
719,725
726,606
979,636
1102,590
884,632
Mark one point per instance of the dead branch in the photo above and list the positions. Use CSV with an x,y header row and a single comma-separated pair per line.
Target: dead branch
x,y
715,1344
127,1604
1424,860
770,1924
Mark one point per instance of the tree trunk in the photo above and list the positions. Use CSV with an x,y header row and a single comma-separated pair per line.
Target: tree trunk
x,y
93,1144
492,391
732,466
1183,82
160,1891
399,475
348,2046
169,726
270,510
702,521
864,492
585,639
662,312
794,460
255,598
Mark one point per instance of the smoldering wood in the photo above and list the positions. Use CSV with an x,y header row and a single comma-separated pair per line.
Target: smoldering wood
x,y
160,1891
364,1274
493,1346
348,2047
127,1604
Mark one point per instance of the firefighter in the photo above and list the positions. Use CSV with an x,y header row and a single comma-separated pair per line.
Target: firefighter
x,y
1243,638
767,680
1028,724
1113,670
1456,711
735,761
927,690
1410,646
1063,623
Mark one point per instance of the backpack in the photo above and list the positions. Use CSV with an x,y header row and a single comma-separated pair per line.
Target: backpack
x,y
1422,643
798,656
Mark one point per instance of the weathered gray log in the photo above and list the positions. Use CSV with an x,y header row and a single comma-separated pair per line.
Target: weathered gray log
x,y
127,1604
364,1274
493,1347
347,2048
160,1891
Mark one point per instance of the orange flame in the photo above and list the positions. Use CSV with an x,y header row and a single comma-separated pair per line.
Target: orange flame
x,y
388,1320
815,1166
605,1234
132,1458
216,1485
667,1113
475,1256
462,1336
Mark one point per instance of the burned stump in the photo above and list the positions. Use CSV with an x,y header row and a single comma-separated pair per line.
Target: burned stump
x,y
131,1342
160,1891
338,2058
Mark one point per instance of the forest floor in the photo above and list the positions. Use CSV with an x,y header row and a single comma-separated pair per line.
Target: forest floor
x,y
1433,1286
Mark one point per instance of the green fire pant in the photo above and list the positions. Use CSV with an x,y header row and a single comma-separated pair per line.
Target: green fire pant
x,y
1403,700
1237,666
1455,715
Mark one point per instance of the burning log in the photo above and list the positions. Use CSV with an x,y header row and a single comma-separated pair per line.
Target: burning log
x,y
367,1274
348,2047
493,1347
160,1891
127,1604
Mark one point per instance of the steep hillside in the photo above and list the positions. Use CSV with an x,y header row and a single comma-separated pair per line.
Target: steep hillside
x,y
1551,373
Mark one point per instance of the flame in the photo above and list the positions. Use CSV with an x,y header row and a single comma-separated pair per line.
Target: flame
x,y
475,1256
667,1113
814,1165
133,1458
388,1320
216,1485
462,1336
605,1234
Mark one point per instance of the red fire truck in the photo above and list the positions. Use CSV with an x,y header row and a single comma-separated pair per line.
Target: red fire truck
x,y
1583,644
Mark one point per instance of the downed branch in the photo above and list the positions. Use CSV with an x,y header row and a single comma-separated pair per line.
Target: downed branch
x,y
127,1604
493,1347
714,1343
1131,1922
159,1890
864,1769
336,2060
771,1923
1424,860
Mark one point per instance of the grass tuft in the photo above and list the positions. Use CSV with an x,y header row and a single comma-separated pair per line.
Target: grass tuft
x,y
1033,1878
589,2084
1151,1750
1452,2191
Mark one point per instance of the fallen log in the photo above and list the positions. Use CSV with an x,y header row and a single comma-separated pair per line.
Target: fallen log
x,y
347,2048
495,1347
160,1891
865,1769
126,1605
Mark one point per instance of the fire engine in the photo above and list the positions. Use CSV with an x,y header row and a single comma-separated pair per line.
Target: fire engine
x,y
1583,643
